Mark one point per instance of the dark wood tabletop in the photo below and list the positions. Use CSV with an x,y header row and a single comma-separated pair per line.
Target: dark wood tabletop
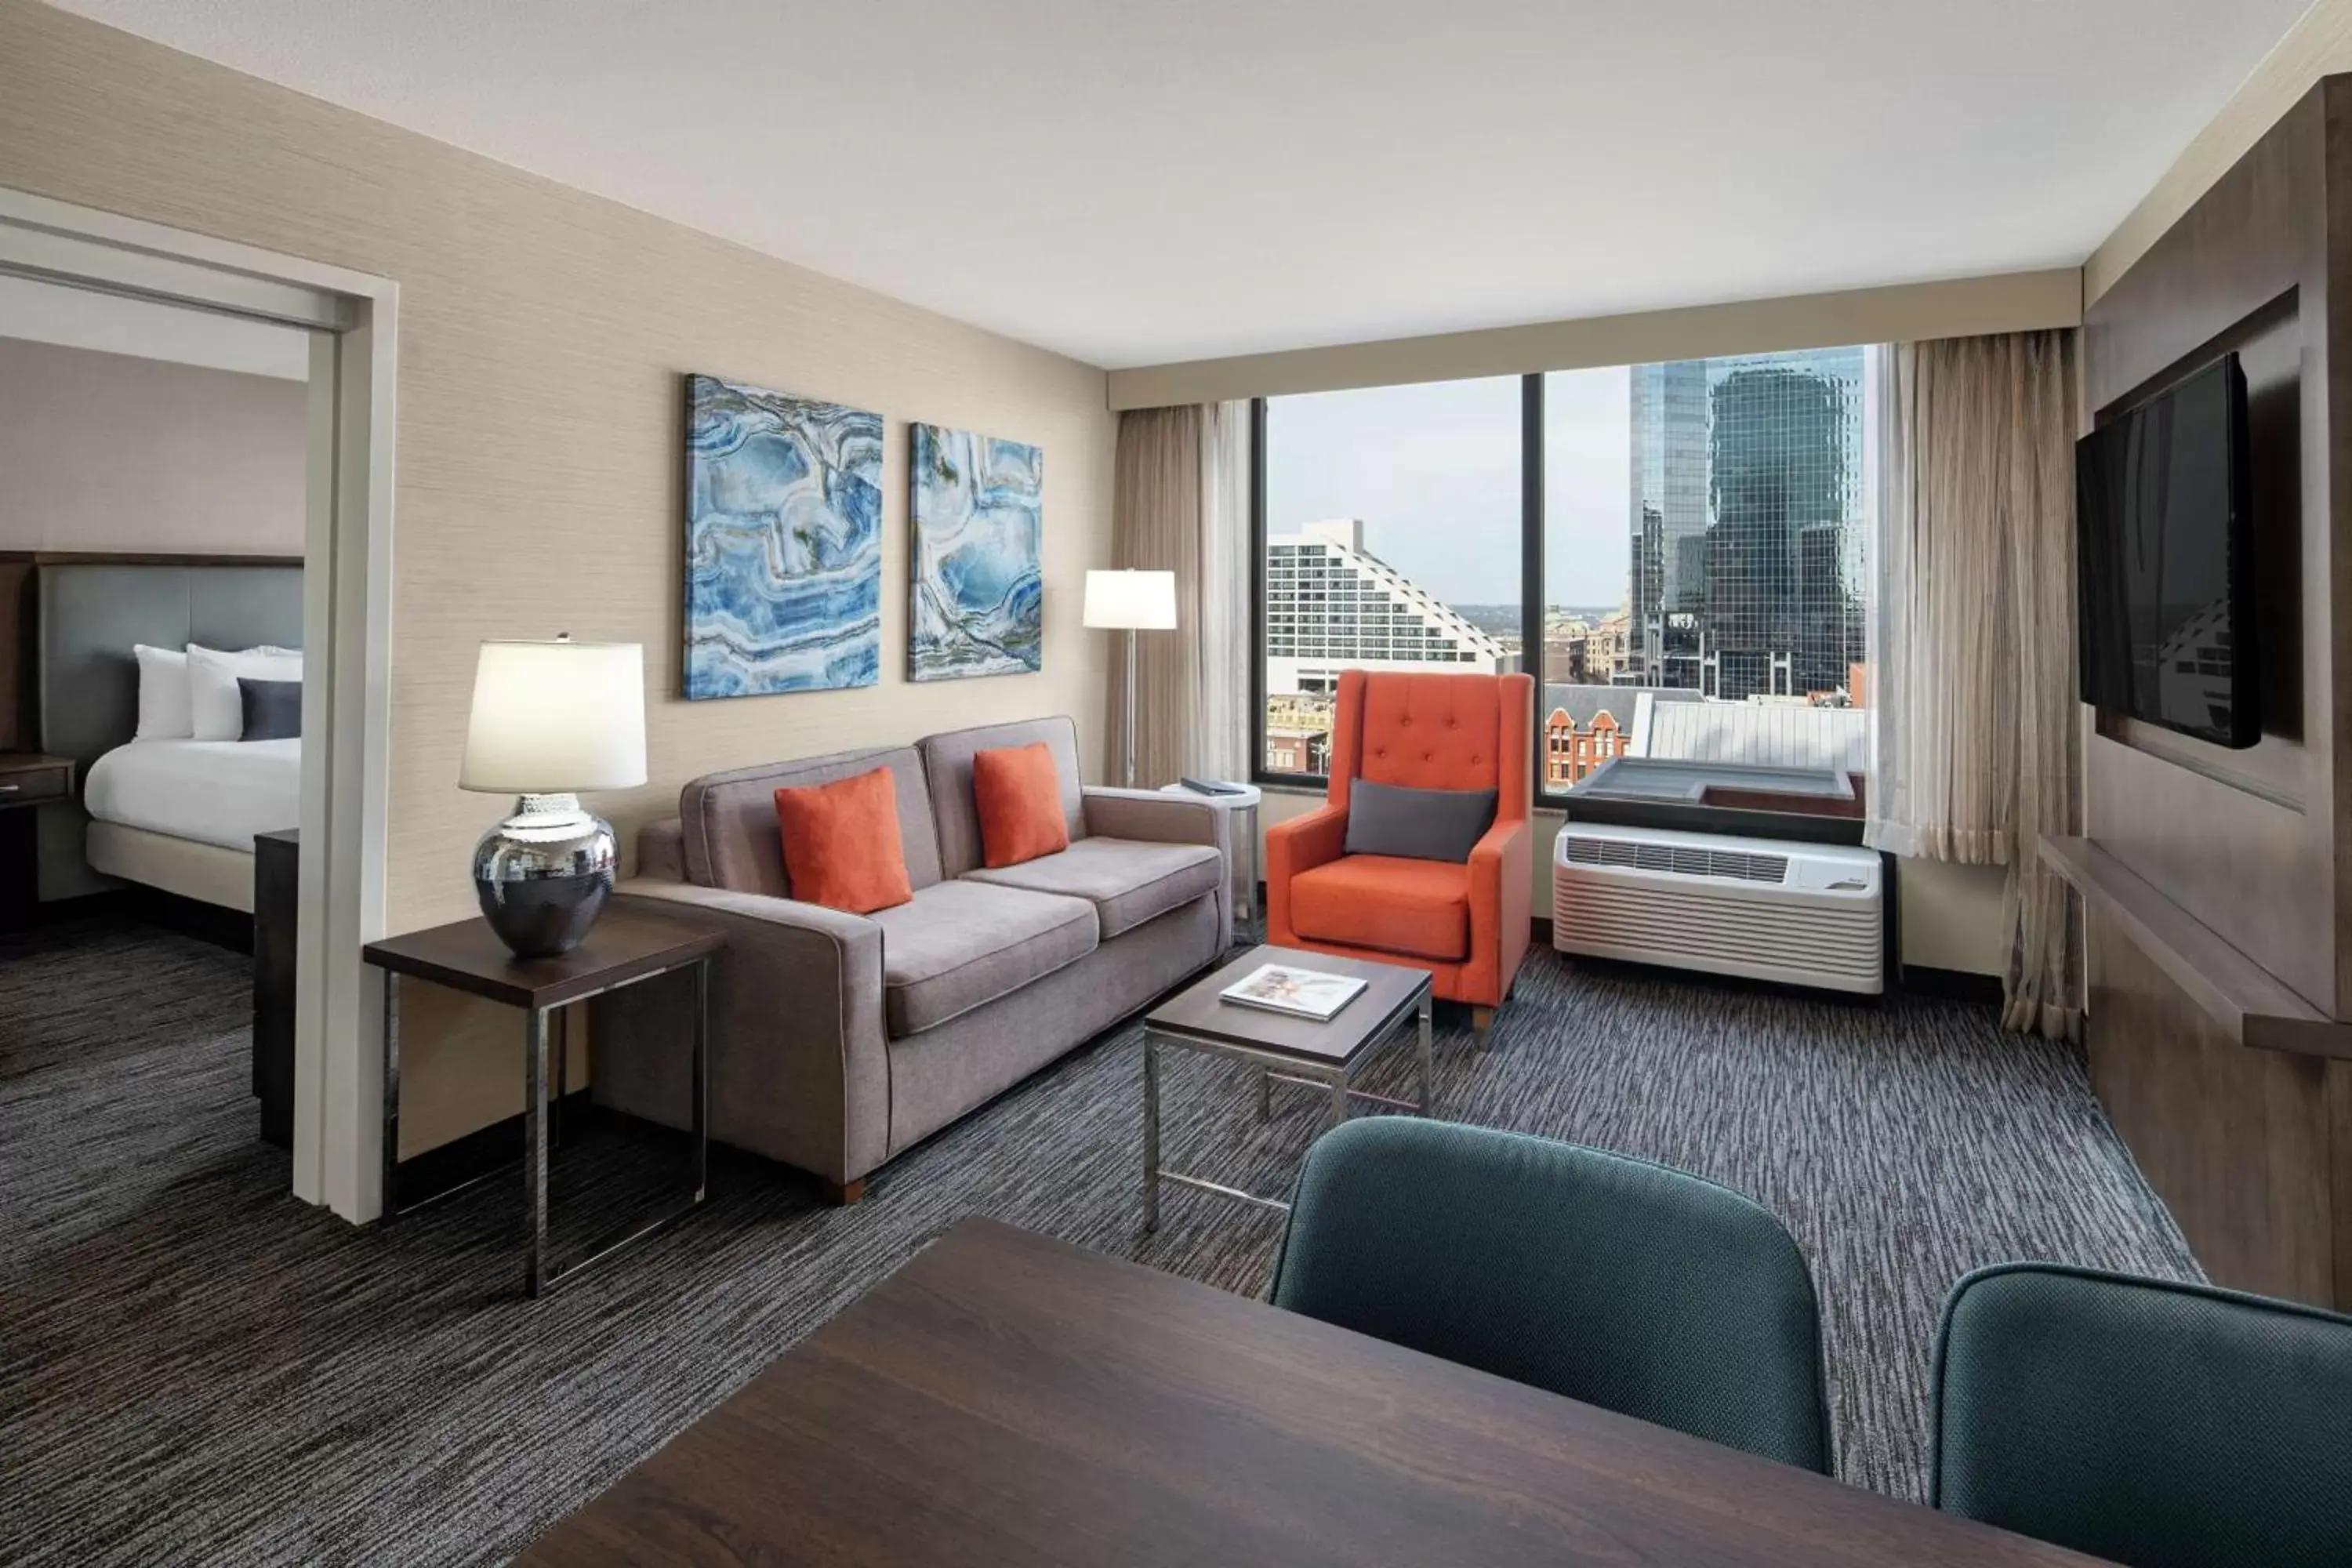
x,y
1004,1398
467,955
1389,991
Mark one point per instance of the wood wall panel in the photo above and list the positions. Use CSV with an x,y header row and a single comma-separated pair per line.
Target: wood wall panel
x,y
2251,1149
2318,44
17,728
544,335
2245,841
2236,1142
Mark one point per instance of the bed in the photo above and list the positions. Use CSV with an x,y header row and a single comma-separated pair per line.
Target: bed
x,y
157,807
178,815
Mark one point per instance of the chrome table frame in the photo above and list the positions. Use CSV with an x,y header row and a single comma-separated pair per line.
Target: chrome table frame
x,y
539,1278
1337,1078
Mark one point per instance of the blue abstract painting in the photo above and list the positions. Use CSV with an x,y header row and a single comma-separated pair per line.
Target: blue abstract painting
x,y
784,542
978,608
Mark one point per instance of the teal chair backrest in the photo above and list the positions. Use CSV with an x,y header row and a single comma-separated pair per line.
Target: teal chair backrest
x,y
2153,1424
1611,1280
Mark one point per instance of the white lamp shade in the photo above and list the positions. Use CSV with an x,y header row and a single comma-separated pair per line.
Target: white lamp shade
x,y
552,718
1145,601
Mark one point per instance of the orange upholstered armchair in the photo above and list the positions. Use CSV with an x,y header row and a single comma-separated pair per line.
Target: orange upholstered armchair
x,y
1468,925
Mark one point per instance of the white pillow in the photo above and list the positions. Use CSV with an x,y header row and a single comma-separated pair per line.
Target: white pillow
x,y
216,711
164,696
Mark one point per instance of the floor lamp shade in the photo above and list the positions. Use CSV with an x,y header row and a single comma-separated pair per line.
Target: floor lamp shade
x,y
550,719
1130,602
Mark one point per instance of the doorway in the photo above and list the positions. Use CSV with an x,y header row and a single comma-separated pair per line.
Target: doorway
x,y
346,613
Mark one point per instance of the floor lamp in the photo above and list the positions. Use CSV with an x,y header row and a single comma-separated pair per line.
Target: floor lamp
x,y
1130,602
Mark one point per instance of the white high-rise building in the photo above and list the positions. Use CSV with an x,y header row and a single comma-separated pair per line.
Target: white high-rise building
x,y
1332,606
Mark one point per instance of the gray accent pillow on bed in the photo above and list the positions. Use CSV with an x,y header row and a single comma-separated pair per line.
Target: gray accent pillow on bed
x,y
1417,823
273,708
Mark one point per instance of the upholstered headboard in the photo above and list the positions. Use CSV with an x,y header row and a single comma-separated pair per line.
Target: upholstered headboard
x,y
87,614
86,683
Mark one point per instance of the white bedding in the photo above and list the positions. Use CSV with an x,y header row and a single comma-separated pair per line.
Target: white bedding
x,y
215,792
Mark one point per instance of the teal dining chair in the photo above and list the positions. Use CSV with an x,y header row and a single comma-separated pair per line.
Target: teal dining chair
x,y
1611,1280
2157,1425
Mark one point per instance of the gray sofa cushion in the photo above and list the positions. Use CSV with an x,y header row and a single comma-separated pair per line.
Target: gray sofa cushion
x,y
728,821
947,762
941,1074
962,943
1128,881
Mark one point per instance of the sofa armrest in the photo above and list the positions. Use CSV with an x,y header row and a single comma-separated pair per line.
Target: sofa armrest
x,y
798,1069
1152,816
1502,895
1299,845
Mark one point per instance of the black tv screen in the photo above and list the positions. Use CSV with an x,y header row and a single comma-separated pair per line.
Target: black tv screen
x,y
2166,577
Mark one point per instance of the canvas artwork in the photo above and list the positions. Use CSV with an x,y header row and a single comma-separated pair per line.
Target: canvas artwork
x,y
976,607
784,542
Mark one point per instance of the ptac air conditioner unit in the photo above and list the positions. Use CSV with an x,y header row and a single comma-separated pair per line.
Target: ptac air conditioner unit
x,y
1805,914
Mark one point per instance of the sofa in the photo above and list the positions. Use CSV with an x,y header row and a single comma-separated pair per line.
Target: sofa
x,y
1467,924
839,1041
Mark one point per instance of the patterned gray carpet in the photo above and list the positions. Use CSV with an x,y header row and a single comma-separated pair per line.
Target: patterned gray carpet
x,y
194,1367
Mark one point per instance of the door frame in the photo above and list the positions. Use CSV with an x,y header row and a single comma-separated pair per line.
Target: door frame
x,y
353,321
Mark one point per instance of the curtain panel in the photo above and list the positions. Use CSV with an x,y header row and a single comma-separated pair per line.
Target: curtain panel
x,y
1975,730
1181,503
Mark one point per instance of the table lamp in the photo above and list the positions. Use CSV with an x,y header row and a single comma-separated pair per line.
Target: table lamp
x,y
1131,601
550,719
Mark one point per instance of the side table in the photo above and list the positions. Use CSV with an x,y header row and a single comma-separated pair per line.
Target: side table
x,y
624,948
1244,798
277,916
26,779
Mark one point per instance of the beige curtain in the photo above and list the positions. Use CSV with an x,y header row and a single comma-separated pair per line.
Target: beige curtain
x,y
1975,745
1181,503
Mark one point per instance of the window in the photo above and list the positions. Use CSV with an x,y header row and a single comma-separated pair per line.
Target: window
x,y
1392,522
1693,537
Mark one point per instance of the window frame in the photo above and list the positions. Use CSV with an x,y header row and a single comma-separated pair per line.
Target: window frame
x,y
1792,826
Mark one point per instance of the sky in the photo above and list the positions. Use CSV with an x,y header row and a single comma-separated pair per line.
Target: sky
x,y
1434,471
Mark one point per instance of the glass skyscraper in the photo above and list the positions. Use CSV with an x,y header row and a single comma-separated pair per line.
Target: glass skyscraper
x,y
1748,524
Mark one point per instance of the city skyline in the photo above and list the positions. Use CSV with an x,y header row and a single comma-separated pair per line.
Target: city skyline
x,y
1432,472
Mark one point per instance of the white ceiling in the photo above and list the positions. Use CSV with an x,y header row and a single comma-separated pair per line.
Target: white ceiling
x,y
109,323
1138,181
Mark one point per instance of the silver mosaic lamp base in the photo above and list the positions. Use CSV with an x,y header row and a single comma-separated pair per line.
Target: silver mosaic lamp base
x,y
544,873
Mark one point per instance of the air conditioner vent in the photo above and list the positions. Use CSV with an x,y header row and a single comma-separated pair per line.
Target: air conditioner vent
x,y
1801,914
1679,860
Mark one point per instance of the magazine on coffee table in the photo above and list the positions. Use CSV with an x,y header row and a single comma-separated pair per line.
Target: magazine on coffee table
x,y
1301,993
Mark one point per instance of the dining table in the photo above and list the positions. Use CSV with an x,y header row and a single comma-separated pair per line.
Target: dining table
x,y
1004,1397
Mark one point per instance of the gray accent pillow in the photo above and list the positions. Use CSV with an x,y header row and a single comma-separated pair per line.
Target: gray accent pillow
x,y
273,708
1418,824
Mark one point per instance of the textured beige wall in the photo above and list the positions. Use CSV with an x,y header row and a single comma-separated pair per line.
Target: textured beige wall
x,y
2317,46
101,451
1961,306
544,336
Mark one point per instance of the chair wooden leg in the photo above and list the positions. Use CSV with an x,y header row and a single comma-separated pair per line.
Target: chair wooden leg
x,y
1482,1019
841,1194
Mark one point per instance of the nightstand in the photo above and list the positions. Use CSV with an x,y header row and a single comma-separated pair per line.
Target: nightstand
x,y
26,779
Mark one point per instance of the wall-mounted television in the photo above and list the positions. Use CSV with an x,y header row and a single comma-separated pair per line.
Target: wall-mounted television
x,y
2165,579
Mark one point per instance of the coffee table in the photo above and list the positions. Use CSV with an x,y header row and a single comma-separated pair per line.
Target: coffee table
x,y
1325,1053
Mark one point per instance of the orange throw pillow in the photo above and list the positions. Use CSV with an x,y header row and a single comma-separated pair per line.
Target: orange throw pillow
x,y
840,844
1020,800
